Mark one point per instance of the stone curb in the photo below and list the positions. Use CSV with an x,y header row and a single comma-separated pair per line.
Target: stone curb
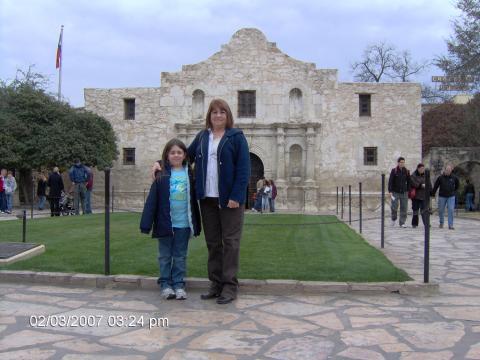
x,y
247,286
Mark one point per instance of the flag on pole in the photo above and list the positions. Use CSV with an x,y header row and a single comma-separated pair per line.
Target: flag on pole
x,y
59,50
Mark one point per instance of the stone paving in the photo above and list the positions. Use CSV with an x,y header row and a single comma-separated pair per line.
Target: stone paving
x,y
61,322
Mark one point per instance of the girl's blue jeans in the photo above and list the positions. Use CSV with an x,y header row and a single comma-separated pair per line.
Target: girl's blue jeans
x,y
172,258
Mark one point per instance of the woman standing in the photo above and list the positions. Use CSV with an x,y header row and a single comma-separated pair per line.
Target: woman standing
x,y
273,196
42,191
55,183
222,170
417,180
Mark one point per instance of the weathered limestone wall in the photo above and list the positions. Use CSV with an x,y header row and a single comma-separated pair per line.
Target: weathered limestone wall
x,y
310,140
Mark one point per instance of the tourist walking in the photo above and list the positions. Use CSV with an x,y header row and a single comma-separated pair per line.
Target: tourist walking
x,y
469,196
448,185
272,196
417,182
79,177
267,191
398,185
10,187
41,191
88,193
55,184
3,198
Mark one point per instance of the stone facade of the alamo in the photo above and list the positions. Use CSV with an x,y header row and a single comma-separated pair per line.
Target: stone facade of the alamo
x,y
308,132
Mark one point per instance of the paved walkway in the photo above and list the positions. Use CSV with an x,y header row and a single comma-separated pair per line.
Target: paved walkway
x,y
89,323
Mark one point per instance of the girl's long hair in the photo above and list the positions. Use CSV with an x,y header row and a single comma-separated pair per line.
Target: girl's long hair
x,y
168,147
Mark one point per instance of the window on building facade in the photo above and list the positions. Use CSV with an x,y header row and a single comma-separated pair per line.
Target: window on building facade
x,y
364,101
369,156
129,109
198,100
296,103
128,156
247,103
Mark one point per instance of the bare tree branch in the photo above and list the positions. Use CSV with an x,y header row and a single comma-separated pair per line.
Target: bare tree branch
x,y
377,60
384,61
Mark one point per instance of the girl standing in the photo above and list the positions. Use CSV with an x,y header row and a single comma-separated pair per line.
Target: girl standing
x,y
173,211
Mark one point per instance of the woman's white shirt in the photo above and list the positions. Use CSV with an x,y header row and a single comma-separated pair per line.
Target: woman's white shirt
x,y
211,185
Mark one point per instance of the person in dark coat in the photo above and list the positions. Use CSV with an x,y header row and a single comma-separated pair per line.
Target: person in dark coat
x,y
42,191
448,185
171,210
469,196
398,185
55,183
417,181
222,171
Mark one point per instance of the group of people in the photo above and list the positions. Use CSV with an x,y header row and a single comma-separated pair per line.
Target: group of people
x,y
402,185
8,185
264,198
53,189
179,206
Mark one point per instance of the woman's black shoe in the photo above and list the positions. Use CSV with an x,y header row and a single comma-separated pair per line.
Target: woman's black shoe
x,y
225,300
210,295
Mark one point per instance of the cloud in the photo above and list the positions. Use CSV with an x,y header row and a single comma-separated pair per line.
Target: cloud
x,y
125,43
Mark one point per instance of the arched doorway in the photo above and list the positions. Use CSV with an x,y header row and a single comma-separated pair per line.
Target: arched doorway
x,y
256,166
467,170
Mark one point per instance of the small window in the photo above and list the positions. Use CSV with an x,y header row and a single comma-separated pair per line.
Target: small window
x,y
129,109
246,103
364,101
369,156
128,156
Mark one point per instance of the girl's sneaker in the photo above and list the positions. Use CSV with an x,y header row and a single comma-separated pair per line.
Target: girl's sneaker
x,y
168,293
180,294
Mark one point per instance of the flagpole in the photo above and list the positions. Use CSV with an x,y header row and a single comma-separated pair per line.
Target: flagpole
x,y
60,67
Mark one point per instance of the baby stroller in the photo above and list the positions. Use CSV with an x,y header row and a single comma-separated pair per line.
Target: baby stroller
x,y
66,204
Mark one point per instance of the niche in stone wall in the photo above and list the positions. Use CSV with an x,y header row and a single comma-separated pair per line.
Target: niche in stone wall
x,y
296,104
198,103
295,155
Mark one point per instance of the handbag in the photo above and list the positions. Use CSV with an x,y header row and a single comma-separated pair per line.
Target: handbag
x,y
412,193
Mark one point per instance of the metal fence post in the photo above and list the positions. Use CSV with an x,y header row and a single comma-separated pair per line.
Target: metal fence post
x,y
337,200
360,204
342,203
33,197
107,221
426,209
113,195
382,222
350,204
24,233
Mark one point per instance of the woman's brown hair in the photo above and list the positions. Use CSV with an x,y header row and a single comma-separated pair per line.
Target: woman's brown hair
x,y
221,104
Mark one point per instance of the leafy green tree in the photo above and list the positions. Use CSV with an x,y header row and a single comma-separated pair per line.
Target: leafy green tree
x,y
464,46
38,131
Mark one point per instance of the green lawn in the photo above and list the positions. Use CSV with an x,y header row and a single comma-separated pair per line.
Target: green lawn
x,y
273,247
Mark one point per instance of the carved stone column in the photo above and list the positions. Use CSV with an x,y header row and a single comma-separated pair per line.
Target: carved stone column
x,y
310,188
311,136
280,155
281,200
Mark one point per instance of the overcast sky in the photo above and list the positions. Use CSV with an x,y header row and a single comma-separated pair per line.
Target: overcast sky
x,y
109,44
